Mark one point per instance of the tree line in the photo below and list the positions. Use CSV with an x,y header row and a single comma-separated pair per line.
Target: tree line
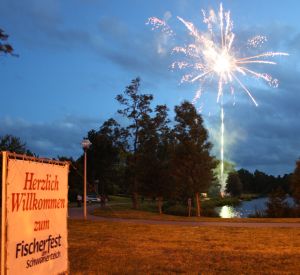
x,y
151,156
156,157
278,190
244,182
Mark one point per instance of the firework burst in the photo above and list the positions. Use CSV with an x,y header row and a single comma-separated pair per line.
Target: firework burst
x,y
212,56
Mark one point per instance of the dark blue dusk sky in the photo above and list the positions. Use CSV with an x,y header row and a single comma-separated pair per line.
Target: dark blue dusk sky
x,y
77,55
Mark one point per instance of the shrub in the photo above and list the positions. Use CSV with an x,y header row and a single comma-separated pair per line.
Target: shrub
x,y
177,209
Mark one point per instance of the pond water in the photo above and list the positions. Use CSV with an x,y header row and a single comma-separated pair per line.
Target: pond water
x,y
246,208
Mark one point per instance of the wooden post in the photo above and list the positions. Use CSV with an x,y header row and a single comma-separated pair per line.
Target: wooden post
x,y
189,206
135,202
84,186
198,204
159,203
3,221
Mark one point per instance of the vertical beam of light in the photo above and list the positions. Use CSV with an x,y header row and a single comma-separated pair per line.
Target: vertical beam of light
x,y
222,178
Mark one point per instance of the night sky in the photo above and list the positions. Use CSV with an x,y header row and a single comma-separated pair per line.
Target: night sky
x,y
75,56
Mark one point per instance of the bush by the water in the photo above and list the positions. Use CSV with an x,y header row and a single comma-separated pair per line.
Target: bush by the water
x,y
277,206
177,209
218,202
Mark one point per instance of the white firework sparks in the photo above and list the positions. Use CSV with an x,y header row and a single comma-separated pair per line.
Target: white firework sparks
x,y
212,56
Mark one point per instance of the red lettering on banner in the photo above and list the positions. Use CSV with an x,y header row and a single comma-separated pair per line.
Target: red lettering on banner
x,y
45,184
41,225
30,202
28,180
17,198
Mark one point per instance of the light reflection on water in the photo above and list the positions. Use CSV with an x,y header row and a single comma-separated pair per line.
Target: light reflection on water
x,y
228,212
246,208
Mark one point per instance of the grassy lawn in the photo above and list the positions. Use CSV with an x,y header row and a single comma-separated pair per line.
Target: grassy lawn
x,y
118,211
125,248
121,207
119,199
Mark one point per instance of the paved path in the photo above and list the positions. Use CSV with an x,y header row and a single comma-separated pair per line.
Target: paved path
x,y
77,213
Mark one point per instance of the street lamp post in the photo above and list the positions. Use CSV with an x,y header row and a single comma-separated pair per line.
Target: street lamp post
x,y
85,146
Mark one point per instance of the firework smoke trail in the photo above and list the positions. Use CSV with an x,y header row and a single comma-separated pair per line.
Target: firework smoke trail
x,y
222,178
212,55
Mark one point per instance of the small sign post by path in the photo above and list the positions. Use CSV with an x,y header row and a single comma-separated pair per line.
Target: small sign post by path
x,y
34,215
189,206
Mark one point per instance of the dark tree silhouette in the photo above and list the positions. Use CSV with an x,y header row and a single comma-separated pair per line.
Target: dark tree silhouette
x,y
75,177
247,180
192,165
153,156
295,183
5,48
234,185
13,144
136,108
277,207
261,183
106,155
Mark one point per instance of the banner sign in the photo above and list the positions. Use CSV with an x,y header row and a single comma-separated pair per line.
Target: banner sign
x,y
34,216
